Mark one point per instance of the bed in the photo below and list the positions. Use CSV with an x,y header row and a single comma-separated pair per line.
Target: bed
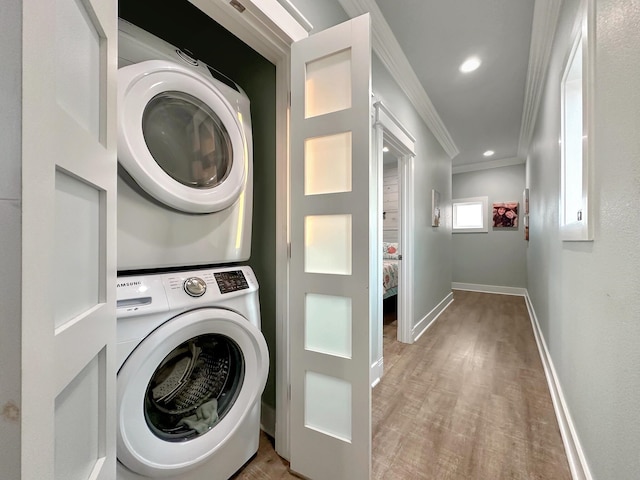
x,y
389,269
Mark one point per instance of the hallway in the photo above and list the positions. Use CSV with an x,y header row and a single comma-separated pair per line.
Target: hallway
x,y
468,400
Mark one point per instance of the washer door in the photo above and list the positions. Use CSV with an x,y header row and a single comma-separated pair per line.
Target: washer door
x,y
185,389
179,138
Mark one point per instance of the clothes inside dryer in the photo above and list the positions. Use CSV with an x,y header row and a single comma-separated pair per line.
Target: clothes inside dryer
x,y
187,139
194,387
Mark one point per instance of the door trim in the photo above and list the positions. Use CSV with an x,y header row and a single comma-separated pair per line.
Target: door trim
x,y
270,30
387,125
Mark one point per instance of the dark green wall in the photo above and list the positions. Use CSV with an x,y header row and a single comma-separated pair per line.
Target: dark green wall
x,y
183,25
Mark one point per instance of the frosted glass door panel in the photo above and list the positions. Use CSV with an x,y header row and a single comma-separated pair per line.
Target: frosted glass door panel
x,y
328,324
328,405
78,64
328,84
327,244
327,164
77,248
77,448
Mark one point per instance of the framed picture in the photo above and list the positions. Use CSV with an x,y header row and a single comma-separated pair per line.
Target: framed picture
x,y
435,208
525,201
505,215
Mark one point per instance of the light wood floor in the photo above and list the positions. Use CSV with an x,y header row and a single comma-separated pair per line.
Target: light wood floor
x,y
468,400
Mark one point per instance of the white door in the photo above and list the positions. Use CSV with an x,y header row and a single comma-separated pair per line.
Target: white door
x,y
331,248
69,231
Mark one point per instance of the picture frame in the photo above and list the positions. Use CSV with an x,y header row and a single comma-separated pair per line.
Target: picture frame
x,y
505,215
435,208
525,202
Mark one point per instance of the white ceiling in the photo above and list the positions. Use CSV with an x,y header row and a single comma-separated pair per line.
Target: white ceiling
x,y
481,110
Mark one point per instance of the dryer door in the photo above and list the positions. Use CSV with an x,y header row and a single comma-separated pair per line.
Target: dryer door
x,y
179,137
185,389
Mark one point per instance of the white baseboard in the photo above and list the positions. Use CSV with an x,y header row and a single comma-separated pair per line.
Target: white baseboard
x,y
376,371
431,317
268,419
474,287
575,455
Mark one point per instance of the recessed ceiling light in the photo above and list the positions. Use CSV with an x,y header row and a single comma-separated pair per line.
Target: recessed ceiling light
x,y
385,149
488,153
470,64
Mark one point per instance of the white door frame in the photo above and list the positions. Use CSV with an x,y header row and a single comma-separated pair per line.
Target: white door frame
x,y
270,29
405,291
388,129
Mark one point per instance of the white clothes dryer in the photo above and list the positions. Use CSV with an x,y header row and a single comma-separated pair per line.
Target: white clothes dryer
x,y
192,367
185,183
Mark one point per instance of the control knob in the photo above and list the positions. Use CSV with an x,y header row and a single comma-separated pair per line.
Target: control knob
x,y
195,286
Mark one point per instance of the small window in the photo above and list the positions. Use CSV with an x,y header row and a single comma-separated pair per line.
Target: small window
x,y
470,215
574,214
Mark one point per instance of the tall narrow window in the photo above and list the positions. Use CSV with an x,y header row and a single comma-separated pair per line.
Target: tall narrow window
x,y
574,205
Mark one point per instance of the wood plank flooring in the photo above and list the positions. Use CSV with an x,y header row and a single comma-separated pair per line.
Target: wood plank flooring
x,y
468,400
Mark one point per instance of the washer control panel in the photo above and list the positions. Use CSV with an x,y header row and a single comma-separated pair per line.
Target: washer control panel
x,y
231,281
146,294
195,286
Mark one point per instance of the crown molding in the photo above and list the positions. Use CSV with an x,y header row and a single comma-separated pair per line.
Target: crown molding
x,y
545,19
386,46
472,167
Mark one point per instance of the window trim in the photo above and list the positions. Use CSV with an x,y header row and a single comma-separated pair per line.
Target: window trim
x,y
484,201
574,229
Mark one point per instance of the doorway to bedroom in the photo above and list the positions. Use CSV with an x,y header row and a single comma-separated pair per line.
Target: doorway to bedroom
x,y
394,148
391,252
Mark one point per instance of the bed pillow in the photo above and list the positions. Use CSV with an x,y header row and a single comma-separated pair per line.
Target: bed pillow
x,y
390,250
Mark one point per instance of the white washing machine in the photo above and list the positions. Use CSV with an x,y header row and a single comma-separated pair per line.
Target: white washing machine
x,y
185,183
192,366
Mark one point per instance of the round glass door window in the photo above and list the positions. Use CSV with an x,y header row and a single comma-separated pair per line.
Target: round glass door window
x,y
194,387
187,139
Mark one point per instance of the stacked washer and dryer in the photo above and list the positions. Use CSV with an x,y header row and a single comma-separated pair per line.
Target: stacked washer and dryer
x,y
192,359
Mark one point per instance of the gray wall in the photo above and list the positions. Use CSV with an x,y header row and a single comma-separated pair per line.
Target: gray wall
x,y
499,256
432,169
10,237
585,295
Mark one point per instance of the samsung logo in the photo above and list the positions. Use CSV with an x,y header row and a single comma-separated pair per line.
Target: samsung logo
x,y
128,284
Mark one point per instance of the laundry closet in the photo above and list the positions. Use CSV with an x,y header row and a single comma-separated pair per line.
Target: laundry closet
x,y
73,172
312,214
185,26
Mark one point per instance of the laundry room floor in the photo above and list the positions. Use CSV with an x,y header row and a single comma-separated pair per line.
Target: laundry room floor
x,y
467,401
267,464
